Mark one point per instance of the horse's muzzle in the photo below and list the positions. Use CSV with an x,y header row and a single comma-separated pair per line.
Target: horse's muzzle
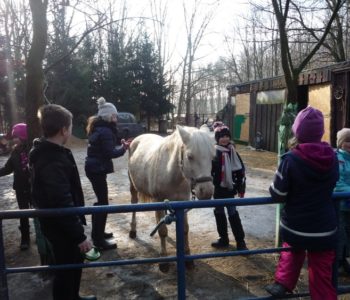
x,y
202,187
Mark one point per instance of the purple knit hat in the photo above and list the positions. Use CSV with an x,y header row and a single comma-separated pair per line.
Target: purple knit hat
x,y
20,131
308,125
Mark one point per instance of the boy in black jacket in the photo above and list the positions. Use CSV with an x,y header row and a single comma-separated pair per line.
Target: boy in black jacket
x,y
56,184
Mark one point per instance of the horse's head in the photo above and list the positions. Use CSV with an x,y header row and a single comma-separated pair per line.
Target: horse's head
x,y
196,160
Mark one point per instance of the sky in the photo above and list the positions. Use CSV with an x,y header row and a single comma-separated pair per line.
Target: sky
x,y
226,16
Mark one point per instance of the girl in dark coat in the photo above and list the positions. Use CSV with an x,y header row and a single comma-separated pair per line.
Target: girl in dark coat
x,y
18,165
229,179
102,136
304,181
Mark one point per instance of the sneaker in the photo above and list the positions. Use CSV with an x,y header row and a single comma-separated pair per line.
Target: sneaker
x,y
241,245
276,289
105,245
220,243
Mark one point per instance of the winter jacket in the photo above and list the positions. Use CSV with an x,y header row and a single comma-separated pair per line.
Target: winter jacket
x,y
56,184
238,178
343,184
102,148
18,165
304,181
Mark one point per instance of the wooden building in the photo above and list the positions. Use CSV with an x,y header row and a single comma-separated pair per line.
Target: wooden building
x,y
257,105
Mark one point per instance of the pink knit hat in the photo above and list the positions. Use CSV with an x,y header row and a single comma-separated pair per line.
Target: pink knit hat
x,y
308,125
20,131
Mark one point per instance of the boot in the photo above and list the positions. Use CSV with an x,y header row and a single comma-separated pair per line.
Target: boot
x,y
108,235
98,232
276,289
25,237
221,226
238,232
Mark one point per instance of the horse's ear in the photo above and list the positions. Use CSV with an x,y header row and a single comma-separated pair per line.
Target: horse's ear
x,y
185,136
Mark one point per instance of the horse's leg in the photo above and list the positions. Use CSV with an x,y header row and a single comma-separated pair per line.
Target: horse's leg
x,y
190,263
163,233
134,200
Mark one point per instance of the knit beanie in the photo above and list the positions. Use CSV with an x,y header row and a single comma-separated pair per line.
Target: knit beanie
x,y
308,125
342,136
221,131
20,131
105,109
217,124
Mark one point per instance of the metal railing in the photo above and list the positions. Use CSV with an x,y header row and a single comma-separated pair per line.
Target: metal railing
x,y
179,207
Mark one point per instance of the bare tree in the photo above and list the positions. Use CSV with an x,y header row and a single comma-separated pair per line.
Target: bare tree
x,y
292,71
35,74
194,35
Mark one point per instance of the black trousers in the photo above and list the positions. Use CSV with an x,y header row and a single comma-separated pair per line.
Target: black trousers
x,y
66,283
99,185
23,200
223,193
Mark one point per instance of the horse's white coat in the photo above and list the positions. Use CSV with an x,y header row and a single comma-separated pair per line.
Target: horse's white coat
x,y
162,168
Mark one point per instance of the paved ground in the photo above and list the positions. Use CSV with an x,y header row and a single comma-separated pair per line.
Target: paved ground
x,y
228,278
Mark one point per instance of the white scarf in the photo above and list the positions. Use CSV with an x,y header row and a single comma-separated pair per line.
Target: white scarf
x,y
229,164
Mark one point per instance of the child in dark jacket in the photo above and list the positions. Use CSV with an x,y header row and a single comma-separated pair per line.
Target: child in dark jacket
x,y
229,179
102,136
304,181
18,165
56,184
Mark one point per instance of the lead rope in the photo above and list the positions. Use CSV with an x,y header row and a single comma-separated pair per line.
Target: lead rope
x,y
167,219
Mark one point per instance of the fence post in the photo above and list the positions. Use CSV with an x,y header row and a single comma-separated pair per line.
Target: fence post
x,y
3,276
180,254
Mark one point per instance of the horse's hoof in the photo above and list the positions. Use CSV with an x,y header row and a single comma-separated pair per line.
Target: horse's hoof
x,y
132,234
164,267
189,265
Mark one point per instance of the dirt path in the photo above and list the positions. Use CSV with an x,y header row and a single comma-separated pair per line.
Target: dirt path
x,y
221,278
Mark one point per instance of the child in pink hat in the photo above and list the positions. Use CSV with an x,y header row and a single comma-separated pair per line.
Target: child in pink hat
x,y
304,182
18,165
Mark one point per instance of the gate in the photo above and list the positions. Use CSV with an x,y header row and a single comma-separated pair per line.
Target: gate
x,y
179,207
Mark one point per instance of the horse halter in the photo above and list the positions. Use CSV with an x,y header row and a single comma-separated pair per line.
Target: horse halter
x,y
196,180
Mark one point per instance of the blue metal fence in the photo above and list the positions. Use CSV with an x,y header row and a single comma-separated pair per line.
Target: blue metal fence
x,y
179,207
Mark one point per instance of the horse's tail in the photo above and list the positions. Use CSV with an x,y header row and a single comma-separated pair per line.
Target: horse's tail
x,y
144,198
138,196
133,146
133,191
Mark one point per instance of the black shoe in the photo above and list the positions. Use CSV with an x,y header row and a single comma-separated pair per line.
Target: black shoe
x,y
108,235
105,245
240,246
220,243
87,298
276,289
25,241
24,246
345,264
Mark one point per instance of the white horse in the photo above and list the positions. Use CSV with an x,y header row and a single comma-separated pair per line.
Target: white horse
x,y
169,168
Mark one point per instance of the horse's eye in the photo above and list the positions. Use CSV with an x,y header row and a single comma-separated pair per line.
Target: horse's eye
x,y
189,156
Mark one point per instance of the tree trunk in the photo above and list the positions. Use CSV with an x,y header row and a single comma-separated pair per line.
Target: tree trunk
x,y
35,76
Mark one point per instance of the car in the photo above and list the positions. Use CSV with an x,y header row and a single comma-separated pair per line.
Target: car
x,y
128,127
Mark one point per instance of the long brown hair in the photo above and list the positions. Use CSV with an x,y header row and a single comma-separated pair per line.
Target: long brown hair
x,y
91,124
292,143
